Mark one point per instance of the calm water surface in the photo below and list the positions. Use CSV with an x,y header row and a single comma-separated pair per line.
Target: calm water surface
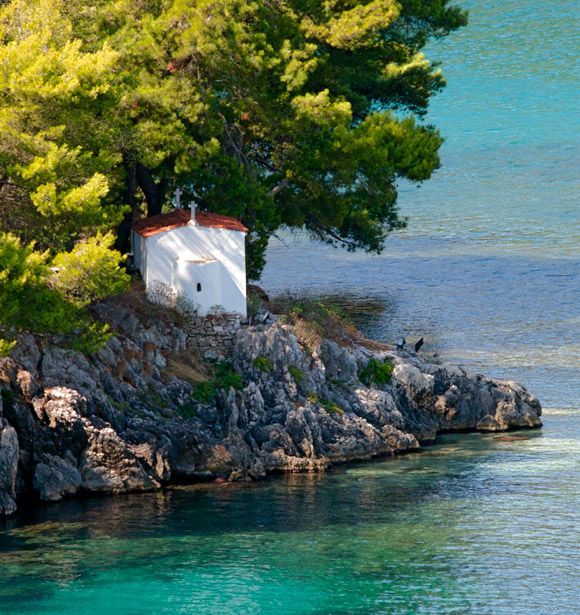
x,y
488,272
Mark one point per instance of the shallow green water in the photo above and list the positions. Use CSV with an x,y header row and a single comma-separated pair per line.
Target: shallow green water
x,y
488,272
477,524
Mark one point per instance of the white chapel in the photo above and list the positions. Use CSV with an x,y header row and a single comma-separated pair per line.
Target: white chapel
x,y
197,255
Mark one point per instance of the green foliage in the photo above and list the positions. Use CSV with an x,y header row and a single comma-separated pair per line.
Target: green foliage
x,y
295,113
29,303
296,373
223,377
26,301
331,407
91,271
205,392
92,336
376,373
312,398
6,347
56,137
264,364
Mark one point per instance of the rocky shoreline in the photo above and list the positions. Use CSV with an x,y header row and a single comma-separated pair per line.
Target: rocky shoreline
x,y
134,417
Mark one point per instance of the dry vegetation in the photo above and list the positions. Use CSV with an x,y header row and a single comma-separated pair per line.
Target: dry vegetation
x,y
135,300
313,320
326,318
188,366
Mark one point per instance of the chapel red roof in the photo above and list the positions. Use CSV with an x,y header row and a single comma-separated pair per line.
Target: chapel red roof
x,y
181,217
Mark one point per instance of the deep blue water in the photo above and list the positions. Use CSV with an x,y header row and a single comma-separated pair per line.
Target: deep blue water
x,y
489,267
489,273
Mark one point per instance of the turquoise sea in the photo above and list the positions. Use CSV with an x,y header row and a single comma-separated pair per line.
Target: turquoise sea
x,y
489,273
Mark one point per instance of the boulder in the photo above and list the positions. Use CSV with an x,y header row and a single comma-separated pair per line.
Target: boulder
x,y
54,478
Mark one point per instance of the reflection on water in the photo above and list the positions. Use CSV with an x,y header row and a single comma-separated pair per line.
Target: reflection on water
x,y
451,529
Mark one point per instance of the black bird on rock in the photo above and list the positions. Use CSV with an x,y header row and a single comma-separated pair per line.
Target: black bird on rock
x,y
419,344
401,343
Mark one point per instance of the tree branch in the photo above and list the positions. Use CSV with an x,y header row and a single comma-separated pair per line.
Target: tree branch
x,y
122,242
279,187
321,231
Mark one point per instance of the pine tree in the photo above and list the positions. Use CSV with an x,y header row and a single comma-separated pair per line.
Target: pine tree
x,y
302,113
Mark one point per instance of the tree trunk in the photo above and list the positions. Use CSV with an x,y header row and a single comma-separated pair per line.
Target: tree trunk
x,y
123,242
154,191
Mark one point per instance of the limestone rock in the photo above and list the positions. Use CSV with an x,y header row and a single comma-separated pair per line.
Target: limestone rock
x,y
8,466
54,478
108,465
121,420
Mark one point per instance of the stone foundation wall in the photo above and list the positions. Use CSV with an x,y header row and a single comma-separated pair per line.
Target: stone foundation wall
x,y
213,335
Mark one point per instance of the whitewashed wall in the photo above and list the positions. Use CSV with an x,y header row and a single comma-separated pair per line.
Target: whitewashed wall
x,y
200,282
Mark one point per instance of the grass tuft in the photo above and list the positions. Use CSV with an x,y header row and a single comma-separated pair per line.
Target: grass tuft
x,y
205,392
315,320
376,373
296,373
331,407
264,364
